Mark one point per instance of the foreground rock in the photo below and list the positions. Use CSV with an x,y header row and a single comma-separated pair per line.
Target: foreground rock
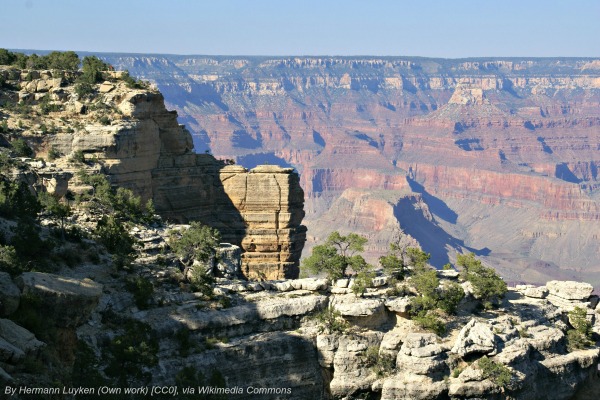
x,y
67,302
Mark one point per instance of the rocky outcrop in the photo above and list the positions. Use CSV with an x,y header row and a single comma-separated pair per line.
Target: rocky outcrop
x,y
130,135
67,302
475,337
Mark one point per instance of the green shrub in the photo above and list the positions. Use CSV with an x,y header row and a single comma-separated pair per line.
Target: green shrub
x,y
417,257
129,354
198,242
456,372
116,239
496,372
381,364
426,282
84,89
9,261
362,281
104,120
142,290
77,157
431,322
487,284
331,321
183,339
579,337
86,370
92,70
21,148
337,255
201,282
449,298
17,200
53,153
4,127
393,262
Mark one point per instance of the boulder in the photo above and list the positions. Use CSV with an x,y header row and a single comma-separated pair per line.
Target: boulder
x,y
311,284
570,290
19,337
106,87
398,305
9,295
536,292
342,283
67,302
359,307
475,337
229,258
420,354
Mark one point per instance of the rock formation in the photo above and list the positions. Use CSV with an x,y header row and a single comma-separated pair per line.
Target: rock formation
x,y
502,146
141,146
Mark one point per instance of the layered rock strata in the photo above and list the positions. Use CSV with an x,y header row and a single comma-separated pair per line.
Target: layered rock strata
x,y
129,135
504,151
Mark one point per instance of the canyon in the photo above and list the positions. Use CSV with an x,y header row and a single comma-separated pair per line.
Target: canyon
x,y
495,156
82,319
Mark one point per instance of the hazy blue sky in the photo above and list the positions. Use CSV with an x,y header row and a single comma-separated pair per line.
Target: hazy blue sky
x,y
434,28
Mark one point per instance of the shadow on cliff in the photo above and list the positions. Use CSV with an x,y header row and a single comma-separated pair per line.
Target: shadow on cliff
x,y
436,205
246,350
197,194
432,238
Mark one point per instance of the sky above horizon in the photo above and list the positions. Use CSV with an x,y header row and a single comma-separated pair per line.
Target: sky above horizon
x,y
428,28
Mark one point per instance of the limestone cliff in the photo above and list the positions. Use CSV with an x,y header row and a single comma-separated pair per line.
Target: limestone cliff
x,y
129,135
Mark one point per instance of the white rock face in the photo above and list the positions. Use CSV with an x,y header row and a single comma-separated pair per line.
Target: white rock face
x,y
350,306
398,305
570,290
475,337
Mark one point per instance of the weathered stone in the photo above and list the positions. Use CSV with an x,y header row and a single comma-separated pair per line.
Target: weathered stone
x,y
9,295
68,302
475,337
326,346
229,260
379,281
398,305
357,307
311,284
350,371
106,87
17,337
570,290
539,292
342,283
408,386
420,354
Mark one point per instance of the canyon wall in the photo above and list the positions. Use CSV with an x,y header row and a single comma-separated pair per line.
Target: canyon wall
x,y
130,135
504,152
